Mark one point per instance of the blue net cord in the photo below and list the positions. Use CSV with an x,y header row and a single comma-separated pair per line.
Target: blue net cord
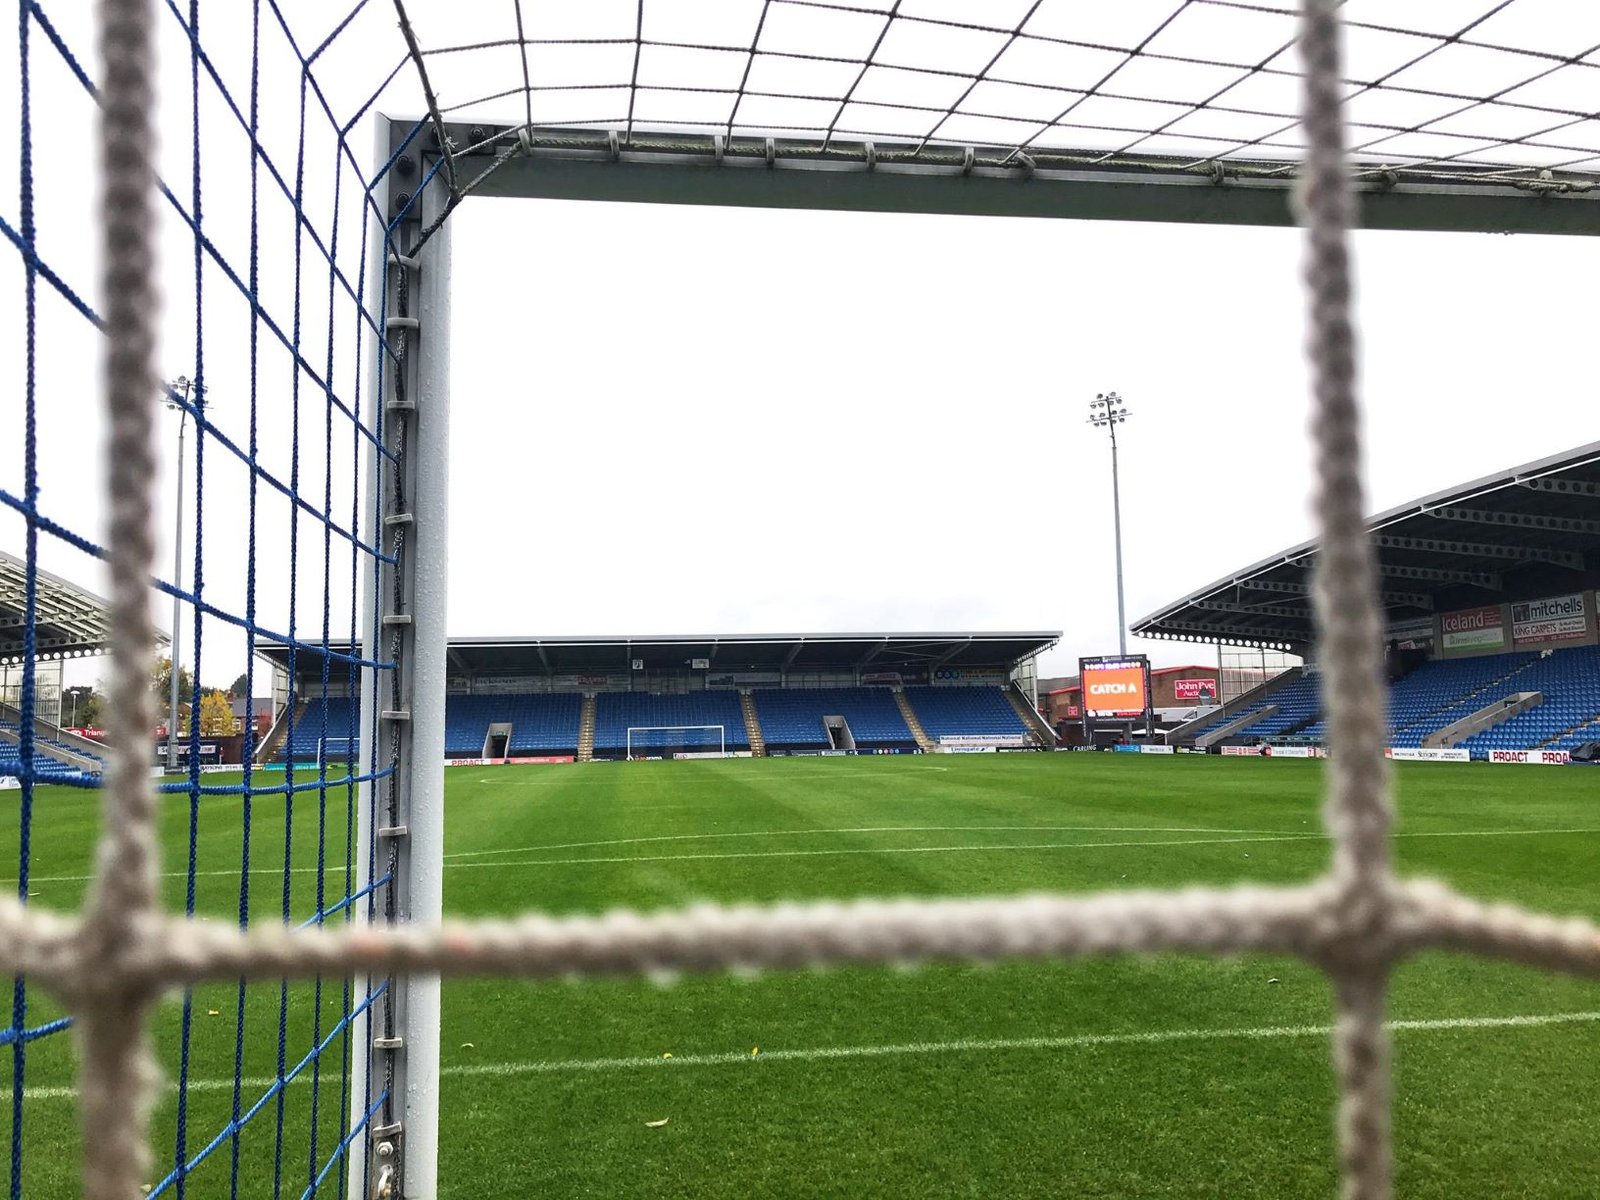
x,y
300,502
339,906
19,988
274,1092
345,1142
328,244
181,1143
246,814
61,532
13,1036
294,590
327,622
284,789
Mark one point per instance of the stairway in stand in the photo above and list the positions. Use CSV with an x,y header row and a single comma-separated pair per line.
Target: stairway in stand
x,y
752,725
1031,718
927,743
586,729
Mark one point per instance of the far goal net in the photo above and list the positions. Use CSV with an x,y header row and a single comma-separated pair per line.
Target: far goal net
x,y
337,754
669,741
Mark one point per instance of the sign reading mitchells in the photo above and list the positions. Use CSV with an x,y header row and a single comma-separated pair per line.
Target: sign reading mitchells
x,y
1473,630
1553,619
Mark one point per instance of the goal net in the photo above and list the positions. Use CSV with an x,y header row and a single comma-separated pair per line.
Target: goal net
x,y
670,741
299,419
337,754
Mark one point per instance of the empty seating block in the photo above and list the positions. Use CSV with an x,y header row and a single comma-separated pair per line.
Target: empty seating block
x,y
45,768
615,712
541,724
965,712
1295,704
1441,692
1569,681
792,718
332,720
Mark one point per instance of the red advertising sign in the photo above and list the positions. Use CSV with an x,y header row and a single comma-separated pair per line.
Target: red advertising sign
x,y
1473,629
1194,689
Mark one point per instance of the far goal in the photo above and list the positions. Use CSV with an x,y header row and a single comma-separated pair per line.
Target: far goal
x,y
668,741
338,751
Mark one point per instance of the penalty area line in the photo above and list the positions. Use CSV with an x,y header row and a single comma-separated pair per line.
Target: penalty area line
x,y
1077,1041
992,1045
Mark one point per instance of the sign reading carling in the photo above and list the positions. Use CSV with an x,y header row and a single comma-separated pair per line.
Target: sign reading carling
x,y
1553,619
1473,629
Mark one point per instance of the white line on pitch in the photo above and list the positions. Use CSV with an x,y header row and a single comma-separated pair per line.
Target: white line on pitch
x,y
979,1045
1075,1041
967,849
857,850
699,837
277,872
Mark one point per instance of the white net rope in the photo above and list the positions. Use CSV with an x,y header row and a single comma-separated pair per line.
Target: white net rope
x,y
1356,922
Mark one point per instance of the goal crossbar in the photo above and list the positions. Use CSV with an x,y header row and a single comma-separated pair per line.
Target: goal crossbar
x,y
721,731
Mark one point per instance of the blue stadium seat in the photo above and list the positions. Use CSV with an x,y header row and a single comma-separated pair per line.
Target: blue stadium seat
x,y
791,718
541,724
615,712
965,712
309,730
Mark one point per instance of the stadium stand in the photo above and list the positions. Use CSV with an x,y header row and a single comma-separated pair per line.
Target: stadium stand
x,y
965,712
1442,691
540,724
792,719
44,767
1295,704
303,741
1569,680
1446,692
615,712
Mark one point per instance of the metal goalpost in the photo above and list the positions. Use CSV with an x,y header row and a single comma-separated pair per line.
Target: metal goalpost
x,y
720,731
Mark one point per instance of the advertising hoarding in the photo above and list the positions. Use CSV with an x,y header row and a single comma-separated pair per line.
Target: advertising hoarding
x,y
1194,689
1472,630
1531,758
1427,754
1553,619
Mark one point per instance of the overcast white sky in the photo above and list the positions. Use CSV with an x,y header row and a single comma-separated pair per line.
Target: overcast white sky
x,y
676,420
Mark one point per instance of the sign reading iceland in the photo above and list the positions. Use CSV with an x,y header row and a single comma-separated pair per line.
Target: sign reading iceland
x,y
1553,619
1473,629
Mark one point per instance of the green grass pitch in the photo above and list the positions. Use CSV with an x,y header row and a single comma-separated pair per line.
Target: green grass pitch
x,y
1170,1076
